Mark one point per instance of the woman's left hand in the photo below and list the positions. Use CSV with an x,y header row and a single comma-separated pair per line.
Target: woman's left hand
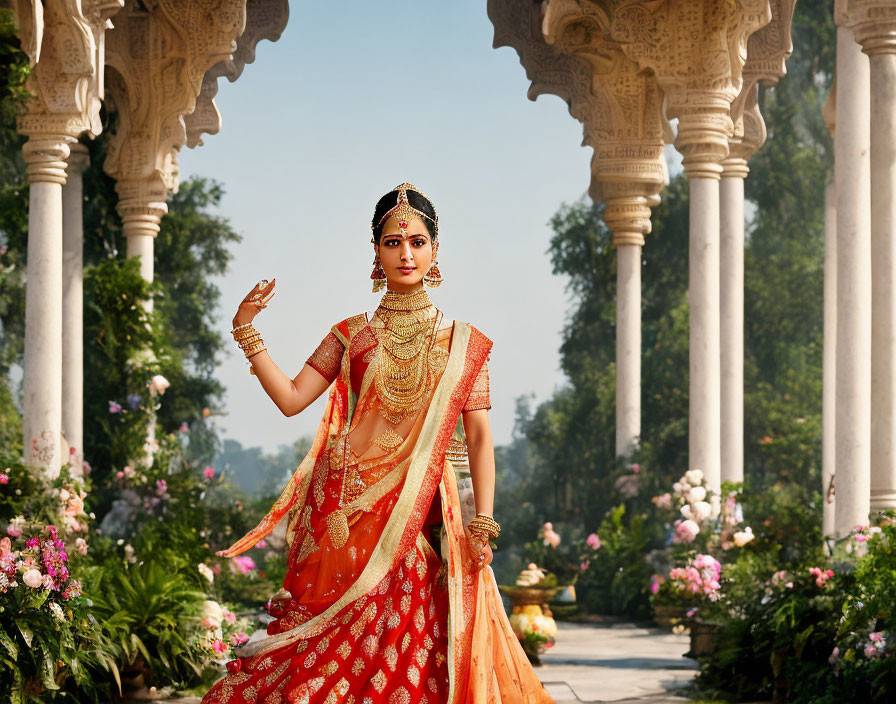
x,y
480,552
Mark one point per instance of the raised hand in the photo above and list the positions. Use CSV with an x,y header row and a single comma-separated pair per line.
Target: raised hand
x,y
255,300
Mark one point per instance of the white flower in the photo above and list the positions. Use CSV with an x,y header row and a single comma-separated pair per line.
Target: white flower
x,y
212,614
698,493
702,510
687,512
743,537
206,571
158,384
33,578
57,611
694,477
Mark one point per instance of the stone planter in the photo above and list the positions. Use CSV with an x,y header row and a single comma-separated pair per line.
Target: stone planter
x,y
704,639
531,615
669,615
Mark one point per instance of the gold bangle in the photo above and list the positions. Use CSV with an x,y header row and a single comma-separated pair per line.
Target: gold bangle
x,y
485,524
249,343
252,351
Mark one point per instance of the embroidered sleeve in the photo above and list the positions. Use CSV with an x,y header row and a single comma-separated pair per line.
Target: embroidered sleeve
x,y
327,358
479,397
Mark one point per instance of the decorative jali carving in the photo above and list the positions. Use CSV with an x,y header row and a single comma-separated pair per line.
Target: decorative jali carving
x,y
697,51
157,56
64,40
767,51
567,53
265,19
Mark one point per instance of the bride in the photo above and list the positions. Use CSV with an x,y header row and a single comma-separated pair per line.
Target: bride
x,y
389,596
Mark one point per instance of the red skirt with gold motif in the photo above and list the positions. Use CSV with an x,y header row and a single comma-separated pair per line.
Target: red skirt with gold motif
x,y
390,646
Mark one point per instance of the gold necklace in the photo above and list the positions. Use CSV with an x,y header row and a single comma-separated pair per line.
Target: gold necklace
x,y
403,373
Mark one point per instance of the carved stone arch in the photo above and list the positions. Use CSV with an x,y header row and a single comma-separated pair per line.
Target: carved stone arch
x,y
265,19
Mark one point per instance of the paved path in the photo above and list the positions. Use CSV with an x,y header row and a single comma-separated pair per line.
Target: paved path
x,y
616,662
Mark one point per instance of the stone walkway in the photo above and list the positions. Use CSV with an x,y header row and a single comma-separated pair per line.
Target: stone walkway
x,y
616,662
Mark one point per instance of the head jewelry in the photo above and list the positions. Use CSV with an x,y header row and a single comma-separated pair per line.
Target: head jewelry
x,y
405,212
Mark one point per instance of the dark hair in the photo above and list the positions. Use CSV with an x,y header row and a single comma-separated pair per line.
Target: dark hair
x,y
417,200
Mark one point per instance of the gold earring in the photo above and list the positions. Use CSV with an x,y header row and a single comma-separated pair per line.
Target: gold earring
x,y
378,276
433,277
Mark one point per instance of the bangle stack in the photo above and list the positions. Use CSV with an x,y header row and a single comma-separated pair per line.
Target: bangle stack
x,y
486,526
249,340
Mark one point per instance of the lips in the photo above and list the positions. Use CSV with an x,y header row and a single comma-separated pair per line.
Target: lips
x,y
407,269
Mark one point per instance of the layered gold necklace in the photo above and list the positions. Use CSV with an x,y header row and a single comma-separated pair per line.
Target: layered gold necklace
x,y
403,374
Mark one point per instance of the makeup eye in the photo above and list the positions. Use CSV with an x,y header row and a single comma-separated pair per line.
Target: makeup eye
x,y
420,242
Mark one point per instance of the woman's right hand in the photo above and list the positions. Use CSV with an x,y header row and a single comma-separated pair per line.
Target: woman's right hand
x,y
254,301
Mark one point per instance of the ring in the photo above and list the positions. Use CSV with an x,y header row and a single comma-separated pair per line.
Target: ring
x,y
262,283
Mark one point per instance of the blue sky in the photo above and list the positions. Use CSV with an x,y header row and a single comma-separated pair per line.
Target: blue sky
x,y
343,107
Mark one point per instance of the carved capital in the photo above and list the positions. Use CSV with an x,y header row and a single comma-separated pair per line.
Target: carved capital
x,y
141,205
750,135
157,56
874,24
64,41
566,53
46,158
697,51
78,158
265,19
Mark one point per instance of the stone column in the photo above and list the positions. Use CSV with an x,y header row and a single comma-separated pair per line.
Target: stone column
x,y
141,206
852,178
73,305
704,428
629,219
42,418
875,30
731,269
829,373
829,383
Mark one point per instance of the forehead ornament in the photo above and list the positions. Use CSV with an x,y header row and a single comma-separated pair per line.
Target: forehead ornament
x,y
405,212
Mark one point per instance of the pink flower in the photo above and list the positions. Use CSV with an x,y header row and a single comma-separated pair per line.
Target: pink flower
x,y
244,564
584,566
114,407
663,501
184,427
119,474
4,478
219,646
13,531
835,655
261,543
209,472
593,541
821,576
30,543
686,531
81,545
229,616
238,638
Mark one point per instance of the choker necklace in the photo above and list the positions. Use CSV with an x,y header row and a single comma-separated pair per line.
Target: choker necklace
x,y
413,301
404,374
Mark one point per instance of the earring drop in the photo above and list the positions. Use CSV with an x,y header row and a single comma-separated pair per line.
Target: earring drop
x,y
378,276
433,277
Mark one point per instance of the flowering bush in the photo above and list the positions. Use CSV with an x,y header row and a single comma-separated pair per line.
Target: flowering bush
x,y
700,578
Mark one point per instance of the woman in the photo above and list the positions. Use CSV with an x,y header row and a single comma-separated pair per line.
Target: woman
x,y
388,595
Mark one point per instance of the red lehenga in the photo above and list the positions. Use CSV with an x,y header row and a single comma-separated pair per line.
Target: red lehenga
x,y
372,613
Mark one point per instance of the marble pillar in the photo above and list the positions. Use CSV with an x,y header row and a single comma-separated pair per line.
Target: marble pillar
x,y
731,267
882,56
42,418
628,345
829,374
852,174
73,305
704,318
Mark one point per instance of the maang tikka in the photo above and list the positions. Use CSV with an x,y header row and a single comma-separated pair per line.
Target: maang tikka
x,y
405,212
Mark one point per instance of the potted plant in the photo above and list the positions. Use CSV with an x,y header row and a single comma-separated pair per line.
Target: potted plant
x,y
531,617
